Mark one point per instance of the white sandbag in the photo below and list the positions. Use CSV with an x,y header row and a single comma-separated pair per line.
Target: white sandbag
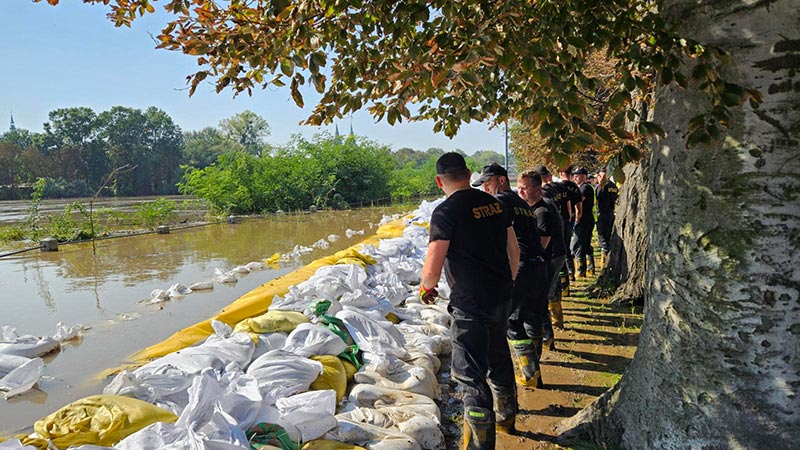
x,y
281,374
312,413
203,424
22,378
65,333
267,342
421,428
217,351
10,362
158,296
311,310
373,335
418,340
178,290
27,346
289,302
309,340
427,360
333,238
224,277
202,286
350,233
372,437
166,387
255,265
321,244
376,397
393,373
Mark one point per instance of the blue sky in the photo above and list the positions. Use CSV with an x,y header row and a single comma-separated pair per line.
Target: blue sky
x,y
72,55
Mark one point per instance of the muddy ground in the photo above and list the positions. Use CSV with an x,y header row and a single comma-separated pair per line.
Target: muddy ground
x,y
591,354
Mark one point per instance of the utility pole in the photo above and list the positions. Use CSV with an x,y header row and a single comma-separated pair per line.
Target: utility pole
x,y
506,145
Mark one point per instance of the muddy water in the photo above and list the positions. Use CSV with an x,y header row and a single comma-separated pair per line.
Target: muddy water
x,y
107,293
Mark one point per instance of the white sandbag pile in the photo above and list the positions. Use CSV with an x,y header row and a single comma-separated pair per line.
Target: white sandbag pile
x,y
276,369
20,365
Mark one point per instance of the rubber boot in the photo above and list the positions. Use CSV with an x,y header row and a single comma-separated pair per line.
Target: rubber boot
x,y
564,283
505,408
571,268
527,371
547,332
591,265
479,432
556,313
537,345
582,267
603,259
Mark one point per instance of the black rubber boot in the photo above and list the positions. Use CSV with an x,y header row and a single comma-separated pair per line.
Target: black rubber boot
x,y
591,265
505,408
479,432
527,362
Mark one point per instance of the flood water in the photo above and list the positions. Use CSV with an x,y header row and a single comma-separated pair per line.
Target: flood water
x,y
107,291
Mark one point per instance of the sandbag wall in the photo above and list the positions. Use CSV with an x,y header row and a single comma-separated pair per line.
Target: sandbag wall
x,y
339,354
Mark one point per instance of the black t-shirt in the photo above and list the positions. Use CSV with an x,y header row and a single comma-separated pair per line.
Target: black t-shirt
x,y
587,191
573,195
558,194
476,265
607,199
530,245
549,224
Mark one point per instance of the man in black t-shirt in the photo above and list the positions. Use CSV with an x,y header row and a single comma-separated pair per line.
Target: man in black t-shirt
x,y
607,193
550,229
529,296
573,213
584,224
472,237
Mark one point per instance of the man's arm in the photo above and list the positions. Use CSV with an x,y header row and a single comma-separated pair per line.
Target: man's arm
x,y
432,269
512,247
578,211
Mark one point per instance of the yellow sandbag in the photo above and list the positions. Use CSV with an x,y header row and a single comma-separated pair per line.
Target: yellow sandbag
x,y
349,369
352,256
272,322
254,302
100,420
392,317
272,261
325,444
333,376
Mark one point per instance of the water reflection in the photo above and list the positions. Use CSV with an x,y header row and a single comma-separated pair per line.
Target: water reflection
x,y
105,291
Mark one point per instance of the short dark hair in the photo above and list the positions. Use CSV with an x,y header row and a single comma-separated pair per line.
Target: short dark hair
x,y
454,175
532,176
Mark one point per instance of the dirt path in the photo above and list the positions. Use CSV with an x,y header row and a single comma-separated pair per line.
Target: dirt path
x,y
591,354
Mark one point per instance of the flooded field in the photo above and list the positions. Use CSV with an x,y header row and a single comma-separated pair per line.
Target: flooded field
x,y
108,292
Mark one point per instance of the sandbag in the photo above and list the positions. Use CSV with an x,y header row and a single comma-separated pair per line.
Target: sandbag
x,y
309,339
333,376
281,374
22,378
373,334
372,437
325,444
393,373
271,322
99,420
310,412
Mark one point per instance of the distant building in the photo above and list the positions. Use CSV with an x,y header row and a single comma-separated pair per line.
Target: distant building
x,y
12,127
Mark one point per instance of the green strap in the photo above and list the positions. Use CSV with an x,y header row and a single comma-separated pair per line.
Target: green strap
x,y
520,342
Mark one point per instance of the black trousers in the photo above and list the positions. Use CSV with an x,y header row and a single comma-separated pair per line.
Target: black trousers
x,y
570,260
582,243
480,352
605,225
529,301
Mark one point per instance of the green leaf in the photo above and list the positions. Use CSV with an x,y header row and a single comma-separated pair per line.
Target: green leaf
x,y
287,67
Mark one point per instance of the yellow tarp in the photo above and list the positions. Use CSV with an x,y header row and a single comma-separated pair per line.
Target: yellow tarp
x,y
100,420
258,300
333,376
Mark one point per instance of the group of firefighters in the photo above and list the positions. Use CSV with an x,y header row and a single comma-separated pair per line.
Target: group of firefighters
x,y
507,256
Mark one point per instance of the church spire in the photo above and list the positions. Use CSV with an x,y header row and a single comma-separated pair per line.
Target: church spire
x,y
336,134
12,127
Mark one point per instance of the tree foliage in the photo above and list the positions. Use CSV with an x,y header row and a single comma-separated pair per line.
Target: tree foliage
x,y
323,171
249,130
452,61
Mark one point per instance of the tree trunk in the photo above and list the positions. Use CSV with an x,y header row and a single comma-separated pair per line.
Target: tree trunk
x,y
718,362
625,270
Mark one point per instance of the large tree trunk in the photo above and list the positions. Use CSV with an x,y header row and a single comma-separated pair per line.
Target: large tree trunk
x,y
625,269
718,363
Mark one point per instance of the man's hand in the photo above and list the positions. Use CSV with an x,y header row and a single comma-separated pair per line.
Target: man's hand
x,y
427,296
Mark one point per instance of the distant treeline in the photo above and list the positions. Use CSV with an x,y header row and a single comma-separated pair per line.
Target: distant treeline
x,y
130,152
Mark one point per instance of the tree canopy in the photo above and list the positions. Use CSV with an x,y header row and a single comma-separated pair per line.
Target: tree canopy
x,y
454,61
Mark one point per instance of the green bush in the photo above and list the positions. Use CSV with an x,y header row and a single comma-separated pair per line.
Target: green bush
x,y
155,213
